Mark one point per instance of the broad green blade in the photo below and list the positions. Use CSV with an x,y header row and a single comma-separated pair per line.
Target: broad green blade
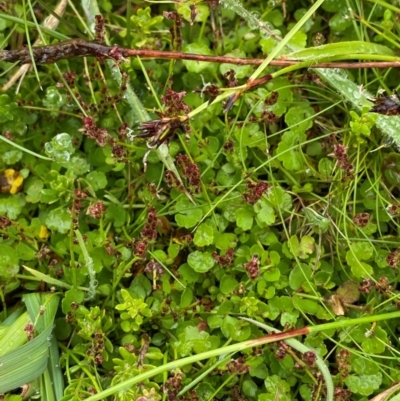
x,y
338,49
14,336
47,279
29,361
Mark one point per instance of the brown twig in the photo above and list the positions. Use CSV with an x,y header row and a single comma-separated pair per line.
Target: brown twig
x,y
82,48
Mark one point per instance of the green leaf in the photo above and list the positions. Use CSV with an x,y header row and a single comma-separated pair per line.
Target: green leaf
x,y
302,249
204,235
363,384
228,284
249,388
201,262
116,214
59,220
12,206
189,275
376,342
233,328
193,339
187,215
9,262
197,66
24,251
349,292
33,189
241,71
244,218
288,150
278,198
265,214
299,119
225,241
204,391
72,296
7,108
358,252
250,135
186,297
97,179
364,366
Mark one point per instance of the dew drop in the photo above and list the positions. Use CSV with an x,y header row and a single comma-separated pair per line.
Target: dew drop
x,y
254,20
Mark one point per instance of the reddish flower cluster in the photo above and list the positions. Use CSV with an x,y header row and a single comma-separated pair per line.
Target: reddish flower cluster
x,y
173,103
309,358
280,353
185,240
255,191
239,290
118,151
361,219
102,138
190,171
230,77
340,394
343,363
123,131
155,268
393,210
272,99
43,253
393,258
382,286
172,385
238,366
30,331
149,232
268,117
224,260
209,89
253,267
229,146
78,196
99,30
139,248
70,78
7,134
112,250
92,131
237,395
343,159
97,210
4,222
95,351
172,180
175,30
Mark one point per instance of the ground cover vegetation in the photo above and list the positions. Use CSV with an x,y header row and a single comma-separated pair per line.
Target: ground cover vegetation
x,y
161,213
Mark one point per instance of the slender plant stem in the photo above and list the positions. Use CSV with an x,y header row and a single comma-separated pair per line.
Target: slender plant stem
x,y
239,347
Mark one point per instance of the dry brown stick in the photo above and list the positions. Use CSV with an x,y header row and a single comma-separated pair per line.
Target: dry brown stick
x,y
82,48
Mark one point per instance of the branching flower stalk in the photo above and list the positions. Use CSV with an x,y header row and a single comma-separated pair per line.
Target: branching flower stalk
x,y
240,347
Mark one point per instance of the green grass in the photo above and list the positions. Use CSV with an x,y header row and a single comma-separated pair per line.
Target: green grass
x,y
240,210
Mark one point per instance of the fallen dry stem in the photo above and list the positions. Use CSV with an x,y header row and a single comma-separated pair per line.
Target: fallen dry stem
x,y
83,48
